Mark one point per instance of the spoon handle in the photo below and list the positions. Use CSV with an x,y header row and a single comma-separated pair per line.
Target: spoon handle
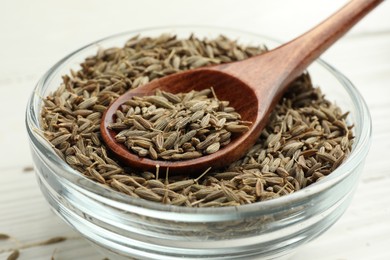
x,y
303,50
270,73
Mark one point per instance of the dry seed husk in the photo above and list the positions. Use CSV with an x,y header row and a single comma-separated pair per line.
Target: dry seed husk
x,y
299,126
4,236
14,255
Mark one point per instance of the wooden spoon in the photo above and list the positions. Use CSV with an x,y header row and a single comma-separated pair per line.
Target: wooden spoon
x,y
252,86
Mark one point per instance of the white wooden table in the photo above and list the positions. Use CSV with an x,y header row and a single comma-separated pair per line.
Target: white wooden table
x,y
36,34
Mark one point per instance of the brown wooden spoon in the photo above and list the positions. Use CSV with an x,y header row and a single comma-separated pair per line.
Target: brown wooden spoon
x,y
252,86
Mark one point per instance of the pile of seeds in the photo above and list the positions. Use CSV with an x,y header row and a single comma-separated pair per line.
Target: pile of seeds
x,y
176,126
305,140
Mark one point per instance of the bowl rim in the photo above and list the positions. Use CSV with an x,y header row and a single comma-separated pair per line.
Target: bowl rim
x,y
123,201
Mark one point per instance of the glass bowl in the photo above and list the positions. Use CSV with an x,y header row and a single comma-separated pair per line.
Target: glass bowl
x,y
122,226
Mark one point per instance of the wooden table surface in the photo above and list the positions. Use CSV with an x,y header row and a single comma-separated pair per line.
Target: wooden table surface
x,y
36,34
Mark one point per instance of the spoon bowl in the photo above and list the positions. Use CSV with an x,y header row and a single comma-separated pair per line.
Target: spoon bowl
x,y
252,86
226,87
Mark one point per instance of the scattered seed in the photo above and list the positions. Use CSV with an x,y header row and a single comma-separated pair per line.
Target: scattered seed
x,y
53,240
4,236
14,255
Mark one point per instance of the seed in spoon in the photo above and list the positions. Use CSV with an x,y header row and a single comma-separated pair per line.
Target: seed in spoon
x,y
184,116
